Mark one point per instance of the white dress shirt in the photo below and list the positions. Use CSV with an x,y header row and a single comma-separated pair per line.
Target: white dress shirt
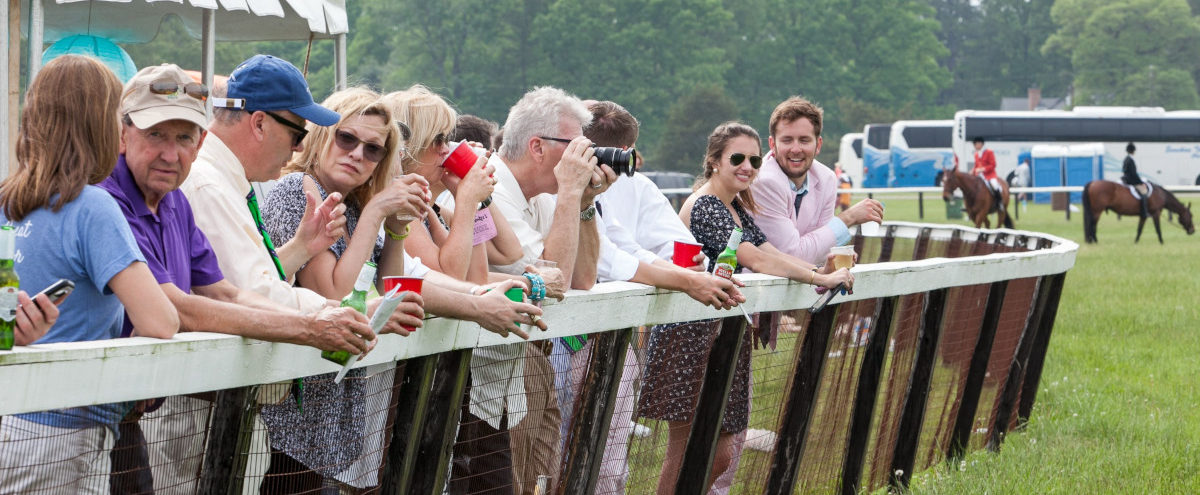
x,y
217,189
498,372
641,209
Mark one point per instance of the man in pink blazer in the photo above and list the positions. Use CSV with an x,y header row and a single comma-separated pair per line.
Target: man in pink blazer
x,y
795,199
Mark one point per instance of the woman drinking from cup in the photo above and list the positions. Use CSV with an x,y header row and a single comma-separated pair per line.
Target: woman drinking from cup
x,y
449,242
677,356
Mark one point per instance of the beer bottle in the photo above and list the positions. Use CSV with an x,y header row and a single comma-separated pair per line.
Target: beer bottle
x,y
727,260
9,284
358,301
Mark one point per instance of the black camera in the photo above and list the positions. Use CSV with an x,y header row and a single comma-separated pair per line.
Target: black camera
x,y
623,162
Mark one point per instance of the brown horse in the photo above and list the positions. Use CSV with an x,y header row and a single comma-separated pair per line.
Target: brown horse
x,y
1101,195
977,198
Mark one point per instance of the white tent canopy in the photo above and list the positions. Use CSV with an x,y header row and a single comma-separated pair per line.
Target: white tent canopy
x,y
138,21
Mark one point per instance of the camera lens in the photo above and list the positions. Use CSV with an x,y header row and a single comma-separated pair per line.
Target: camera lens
x,y
623,162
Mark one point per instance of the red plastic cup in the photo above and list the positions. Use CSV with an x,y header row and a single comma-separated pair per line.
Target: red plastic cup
x,y
406,283
685,253
461,159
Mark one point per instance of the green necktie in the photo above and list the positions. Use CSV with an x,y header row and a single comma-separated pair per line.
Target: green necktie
x,y
252,202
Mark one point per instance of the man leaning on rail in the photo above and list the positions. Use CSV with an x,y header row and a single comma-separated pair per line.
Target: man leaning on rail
x,y
796,199
638,229
512,386
164,118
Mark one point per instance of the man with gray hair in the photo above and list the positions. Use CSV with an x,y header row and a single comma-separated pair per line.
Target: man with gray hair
x,y
544,153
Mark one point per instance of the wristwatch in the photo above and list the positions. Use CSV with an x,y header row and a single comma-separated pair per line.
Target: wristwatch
x,y
588,213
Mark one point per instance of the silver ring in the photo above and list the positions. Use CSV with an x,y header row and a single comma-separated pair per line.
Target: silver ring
x,y
535,318
596,186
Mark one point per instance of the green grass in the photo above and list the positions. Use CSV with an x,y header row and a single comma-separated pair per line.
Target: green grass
x,y
1118,410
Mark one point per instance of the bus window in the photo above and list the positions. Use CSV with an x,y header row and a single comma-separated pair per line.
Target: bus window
x,y
928,137
879,136
1180,129
857,145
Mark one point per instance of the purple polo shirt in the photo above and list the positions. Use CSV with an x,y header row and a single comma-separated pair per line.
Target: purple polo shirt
x,y
176,251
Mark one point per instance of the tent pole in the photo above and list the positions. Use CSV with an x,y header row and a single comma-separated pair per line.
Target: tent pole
x,y
339,57
10,70
208,59
37,26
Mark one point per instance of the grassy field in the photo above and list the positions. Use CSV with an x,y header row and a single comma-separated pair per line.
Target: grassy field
x,y
1117,412
1119,408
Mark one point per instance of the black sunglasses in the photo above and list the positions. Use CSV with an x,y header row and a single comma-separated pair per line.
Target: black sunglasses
x,y
737,159
195,90
348,142
301,132
561,140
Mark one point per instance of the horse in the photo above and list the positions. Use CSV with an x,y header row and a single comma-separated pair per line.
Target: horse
x,y
1101,195
977,198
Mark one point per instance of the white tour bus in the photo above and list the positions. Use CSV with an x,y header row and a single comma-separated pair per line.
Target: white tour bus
x,y
850,156
1168,143
920,149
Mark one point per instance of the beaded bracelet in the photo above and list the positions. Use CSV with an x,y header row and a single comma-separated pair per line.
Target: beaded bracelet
x,y
537,287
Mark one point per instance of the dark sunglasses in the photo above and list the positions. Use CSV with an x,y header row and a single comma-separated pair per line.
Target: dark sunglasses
x,y
737,159
301,132
195,90
349,142
440,139
561,140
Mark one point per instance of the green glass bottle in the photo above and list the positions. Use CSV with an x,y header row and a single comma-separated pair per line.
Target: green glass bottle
x,y
9,284
358,301
727,260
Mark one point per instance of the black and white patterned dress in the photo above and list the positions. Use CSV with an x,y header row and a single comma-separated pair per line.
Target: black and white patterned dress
x,y
328,434
677,354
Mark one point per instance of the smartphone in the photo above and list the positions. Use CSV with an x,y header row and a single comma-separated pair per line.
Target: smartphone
x,y
58,290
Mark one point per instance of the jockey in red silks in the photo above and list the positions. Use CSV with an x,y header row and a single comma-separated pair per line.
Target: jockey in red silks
x,y
985,168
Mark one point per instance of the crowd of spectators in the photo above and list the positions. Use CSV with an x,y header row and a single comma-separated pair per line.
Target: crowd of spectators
x,y
153,210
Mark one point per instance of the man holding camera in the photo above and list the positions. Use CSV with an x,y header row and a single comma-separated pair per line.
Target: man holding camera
x,y
544,153
626,208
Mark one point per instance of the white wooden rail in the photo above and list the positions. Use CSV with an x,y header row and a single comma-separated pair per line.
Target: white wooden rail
x,y
50,376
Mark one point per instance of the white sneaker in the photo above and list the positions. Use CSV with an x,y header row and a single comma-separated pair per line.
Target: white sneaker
x,y
760,440
641,431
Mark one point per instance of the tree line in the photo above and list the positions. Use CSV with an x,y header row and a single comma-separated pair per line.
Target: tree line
x,y
683,66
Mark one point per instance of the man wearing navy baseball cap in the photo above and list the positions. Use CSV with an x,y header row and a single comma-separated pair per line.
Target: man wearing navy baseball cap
x,y
255,129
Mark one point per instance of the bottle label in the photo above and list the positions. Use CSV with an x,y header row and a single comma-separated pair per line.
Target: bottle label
x,y
723,270
365,277
8,304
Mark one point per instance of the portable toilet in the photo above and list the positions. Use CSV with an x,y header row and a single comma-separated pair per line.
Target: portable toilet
x,y
1046,168
1083,164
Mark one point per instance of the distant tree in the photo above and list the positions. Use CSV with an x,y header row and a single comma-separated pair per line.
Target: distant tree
x,y
1001,51
1114,47
688,125
643,55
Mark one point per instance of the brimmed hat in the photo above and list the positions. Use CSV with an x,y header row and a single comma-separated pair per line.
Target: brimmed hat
x,y
146,106
268,83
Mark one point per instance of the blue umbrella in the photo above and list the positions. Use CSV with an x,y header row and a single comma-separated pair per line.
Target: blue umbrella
x,y
96,47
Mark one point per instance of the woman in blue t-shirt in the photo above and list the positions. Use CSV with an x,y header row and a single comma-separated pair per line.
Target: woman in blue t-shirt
x,y
68,229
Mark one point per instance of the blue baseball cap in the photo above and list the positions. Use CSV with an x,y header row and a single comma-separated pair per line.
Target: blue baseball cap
x,y
270,83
